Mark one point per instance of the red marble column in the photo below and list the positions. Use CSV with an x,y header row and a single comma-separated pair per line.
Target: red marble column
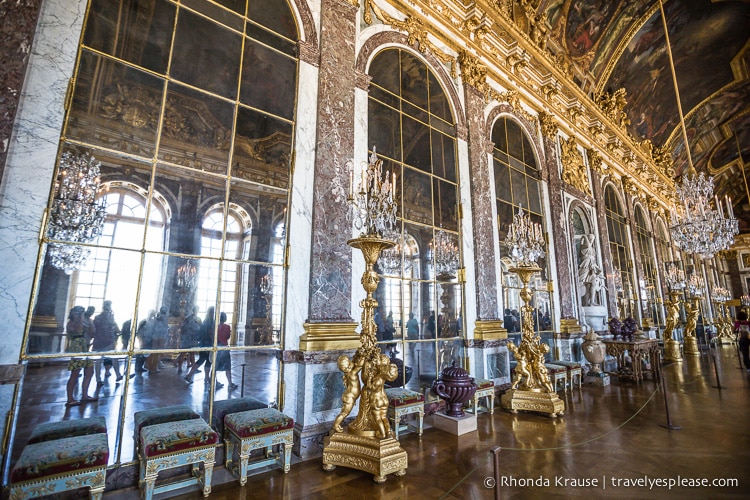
x,y
331,260
16,35
481,208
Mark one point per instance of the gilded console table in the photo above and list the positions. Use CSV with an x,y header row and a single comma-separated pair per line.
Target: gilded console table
x,y
639,350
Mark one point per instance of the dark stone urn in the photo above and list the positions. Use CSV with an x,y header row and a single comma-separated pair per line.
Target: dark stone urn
x,y
456,387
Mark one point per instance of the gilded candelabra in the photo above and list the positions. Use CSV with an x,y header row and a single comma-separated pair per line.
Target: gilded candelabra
x,y
675,279
695,289
531,388
368,444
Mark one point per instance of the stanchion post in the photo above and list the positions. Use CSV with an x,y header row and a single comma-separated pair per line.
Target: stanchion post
x,y
496,470
716,372
242,387
669,425
739,358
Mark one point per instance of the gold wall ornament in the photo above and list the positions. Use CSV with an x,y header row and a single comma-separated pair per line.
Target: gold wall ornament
x,y
574,170
613,106
473,72
595,161
630,186
548,124
490,329
517,61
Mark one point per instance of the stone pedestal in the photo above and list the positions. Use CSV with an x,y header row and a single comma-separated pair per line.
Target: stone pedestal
x,y
691,346
455,425
601,379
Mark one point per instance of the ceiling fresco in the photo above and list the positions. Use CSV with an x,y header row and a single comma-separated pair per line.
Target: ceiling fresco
x,y
621,43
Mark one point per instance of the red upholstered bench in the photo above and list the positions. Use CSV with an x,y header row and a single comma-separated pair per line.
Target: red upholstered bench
x,y
401,402
250,430
175,444
59,465
162,415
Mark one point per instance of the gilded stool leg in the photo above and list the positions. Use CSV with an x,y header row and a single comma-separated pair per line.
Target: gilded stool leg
x,y
396,424
228,453
244,458
492,403
208,472
421,420
287,457
96,493
148,491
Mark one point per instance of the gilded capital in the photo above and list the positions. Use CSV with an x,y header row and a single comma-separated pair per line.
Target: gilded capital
x,y
548,124
473,72
595,160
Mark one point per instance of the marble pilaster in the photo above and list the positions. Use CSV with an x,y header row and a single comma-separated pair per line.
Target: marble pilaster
x,y
481,208
330,280
735,280
492,361
33,148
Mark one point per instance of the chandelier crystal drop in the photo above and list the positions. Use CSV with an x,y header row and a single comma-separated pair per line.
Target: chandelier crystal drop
x,y
372,205
698,227
525,240
446,255
76,215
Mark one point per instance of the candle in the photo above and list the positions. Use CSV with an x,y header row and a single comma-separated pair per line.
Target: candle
x,y
351,183
393,186
730,210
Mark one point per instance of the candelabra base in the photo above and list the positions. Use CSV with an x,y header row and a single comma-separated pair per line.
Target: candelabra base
x,y
672,350
691,347
379,457
541,402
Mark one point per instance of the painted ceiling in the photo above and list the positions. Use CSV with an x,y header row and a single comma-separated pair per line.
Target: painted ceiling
x,y
622,43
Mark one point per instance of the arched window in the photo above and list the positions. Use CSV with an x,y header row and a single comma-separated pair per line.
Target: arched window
x,y
107,273
517,184
649,289
411,125
619,245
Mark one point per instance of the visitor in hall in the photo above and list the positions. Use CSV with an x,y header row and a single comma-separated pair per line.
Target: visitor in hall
x,y
412,327
189,332
206,339
144,340
77,343
742,327
158,329
105,337
224,358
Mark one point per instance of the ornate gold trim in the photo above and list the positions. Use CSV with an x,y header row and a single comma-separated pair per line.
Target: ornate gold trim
x,y
329,337
379,457
491,329
570,325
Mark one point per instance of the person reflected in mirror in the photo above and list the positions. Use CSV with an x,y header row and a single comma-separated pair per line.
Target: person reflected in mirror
x,y
159,330
77,343
105,337
189,332
224,358
742,327
143,335
412,327
389,331
205,339
431,326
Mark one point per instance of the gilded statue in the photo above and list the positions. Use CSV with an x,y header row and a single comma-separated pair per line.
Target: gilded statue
x,y
691,320
352,387
673,315
375,394
522,368
590,275
540,371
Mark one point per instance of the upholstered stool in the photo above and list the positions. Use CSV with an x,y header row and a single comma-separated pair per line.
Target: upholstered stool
x,y
155,416
402,402
176,444
67,428
258,429
574,372
61,465
236,405
485,389
557,373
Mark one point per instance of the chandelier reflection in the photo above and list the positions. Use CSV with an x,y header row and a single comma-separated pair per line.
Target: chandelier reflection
x,y
372,206
389,261
675,278
76,216
525,240
446,255
695,286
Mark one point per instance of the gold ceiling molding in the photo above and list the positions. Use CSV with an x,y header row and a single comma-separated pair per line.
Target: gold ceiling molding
x,y
574,170
661,157
613,106
630,186
548,124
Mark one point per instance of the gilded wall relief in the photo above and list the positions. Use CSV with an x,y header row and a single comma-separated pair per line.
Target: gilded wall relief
x,y
574,170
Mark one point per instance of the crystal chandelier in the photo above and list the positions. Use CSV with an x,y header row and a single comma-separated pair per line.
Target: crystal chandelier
x,y
525,240
675,278
372,207
76,216
697,227
446,255
745,300
186,277
389,261
720,294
